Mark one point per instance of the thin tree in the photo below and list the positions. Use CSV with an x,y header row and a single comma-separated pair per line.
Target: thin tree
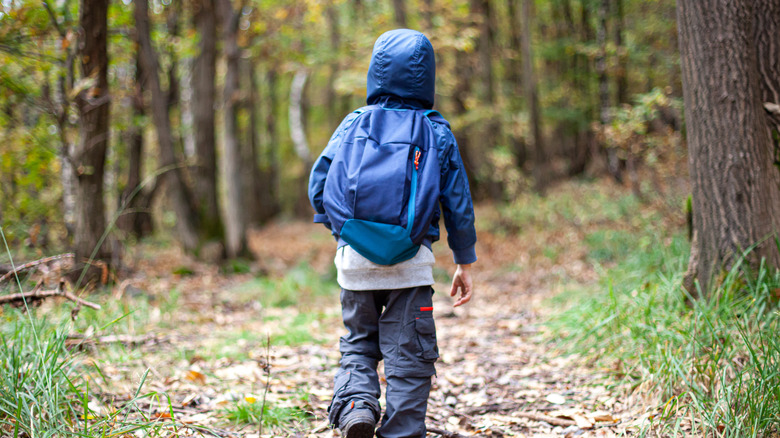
x,y
204,96
89,155
172,176
235,219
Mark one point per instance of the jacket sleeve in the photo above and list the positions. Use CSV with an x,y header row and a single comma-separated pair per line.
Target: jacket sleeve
x,y
319,171
457,206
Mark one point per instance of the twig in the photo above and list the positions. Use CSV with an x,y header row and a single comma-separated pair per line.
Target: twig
x,y
38,295
445,433
545,418
267,369
33,264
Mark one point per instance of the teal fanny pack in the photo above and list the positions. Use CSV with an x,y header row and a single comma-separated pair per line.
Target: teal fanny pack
x,y
383,244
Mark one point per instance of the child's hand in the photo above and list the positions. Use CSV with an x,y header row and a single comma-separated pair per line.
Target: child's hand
x,y
462,281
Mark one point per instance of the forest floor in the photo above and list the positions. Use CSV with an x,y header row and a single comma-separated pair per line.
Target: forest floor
x,y
219,350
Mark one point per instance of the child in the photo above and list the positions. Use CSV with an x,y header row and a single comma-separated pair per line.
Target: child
x,y
378,186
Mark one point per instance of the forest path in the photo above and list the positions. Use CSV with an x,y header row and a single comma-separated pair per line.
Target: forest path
x,y
497,376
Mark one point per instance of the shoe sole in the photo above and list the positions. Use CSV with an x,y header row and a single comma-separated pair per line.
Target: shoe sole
x,y
360,430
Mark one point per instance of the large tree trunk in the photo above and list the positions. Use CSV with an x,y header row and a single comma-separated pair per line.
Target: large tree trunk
x,y
235,219
532,101
203,98
736,189
767,13
178,193
90,152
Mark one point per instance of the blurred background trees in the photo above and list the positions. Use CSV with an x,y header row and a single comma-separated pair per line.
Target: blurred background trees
x,y
218,106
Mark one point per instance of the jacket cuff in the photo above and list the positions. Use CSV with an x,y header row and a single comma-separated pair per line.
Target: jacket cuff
x,y
464,256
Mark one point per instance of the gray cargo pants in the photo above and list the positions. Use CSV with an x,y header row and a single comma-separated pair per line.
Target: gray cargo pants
x,y
397,326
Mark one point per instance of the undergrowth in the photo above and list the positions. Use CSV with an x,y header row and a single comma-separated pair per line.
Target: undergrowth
x,y
714,359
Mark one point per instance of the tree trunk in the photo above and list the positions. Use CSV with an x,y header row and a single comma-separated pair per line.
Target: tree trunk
x,y
203,99
532,101
178,193
252,177
621,75
514,76
136,218
736,189
270,192
613,162
399,9
767,13
298,134
462,132
331,14
235,219
90,152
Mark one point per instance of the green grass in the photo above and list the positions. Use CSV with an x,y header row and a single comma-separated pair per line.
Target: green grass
x,y
301,287
717,359
250,411
46,390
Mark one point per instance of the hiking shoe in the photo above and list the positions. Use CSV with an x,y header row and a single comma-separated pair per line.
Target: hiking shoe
x,y
358,423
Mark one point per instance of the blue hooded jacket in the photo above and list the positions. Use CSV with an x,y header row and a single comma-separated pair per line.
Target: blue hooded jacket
x,y
401,77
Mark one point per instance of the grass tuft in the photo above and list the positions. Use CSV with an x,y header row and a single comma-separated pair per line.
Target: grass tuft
x,y
715,360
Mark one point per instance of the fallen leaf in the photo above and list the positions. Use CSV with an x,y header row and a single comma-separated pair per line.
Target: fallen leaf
x,y
196,376
555,399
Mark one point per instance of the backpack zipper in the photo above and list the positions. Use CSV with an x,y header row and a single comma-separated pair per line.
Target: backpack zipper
x,y
413,189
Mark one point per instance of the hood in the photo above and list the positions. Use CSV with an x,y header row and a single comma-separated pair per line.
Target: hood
x,y
402,65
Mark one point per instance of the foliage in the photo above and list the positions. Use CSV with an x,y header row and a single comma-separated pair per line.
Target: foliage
x,y
713,359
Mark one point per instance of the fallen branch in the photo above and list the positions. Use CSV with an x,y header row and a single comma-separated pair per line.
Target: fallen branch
x,y
113,339
40,295
11,273
445,433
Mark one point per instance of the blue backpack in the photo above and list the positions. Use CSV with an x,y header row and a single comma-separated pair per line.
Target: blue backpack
x,y
382,190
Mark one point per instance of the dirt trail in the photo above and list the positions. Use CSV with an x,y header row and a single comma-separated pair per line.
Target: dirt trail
x,y
495,376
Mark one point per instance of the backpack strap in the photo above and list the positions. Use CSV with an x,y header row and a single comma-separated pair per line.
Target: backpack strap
x,y
435,116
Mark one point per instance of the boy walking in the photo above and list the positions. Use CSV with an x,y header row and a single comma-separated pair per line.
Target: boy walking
x,y
388,173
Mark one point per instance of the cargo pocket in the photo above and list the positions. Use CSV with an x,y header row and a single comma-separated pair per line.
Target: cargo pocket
x,y
426,336
336,405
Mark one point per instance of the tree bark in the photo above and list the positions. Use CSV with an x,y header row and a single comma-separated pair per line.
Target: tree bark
x,y
235,219
203,97
177,190
90,152
298,134
736,189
